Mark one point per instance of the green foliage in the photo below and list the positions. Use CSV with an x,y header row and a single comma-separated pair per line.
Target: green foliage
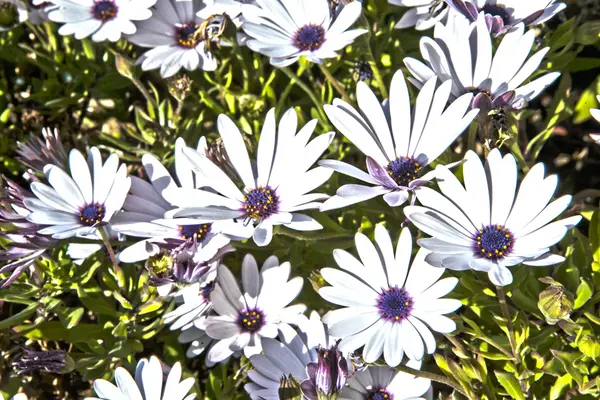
x,y
95,94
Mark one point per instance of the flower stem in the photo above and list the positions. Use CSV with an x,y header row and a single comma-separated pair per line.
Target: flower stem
x,y
377,73
433,377
334,82
509,325
115,264
296,79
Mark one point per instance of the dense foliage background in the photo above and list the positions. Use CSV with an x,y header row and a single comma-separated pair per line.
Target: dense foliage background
x,y
95,96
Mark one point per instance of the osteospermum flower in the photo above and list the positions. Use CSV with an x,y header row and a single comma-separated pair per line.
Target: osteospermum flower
x,y
280,187
150,383
487,225
37,153
384,383
285,359
146,213
79,203
288,30
189,317
422,14
397,153
244,318
103,19
174,33
502,15
25,245
12,13
389,307
462,52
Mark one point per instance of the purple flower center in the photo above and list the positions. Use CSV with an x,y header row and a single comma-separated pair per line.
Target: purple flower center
x,y
309,37
260,203
104,10
403,170
497,10
378,394
493,242
251,320
91,214
395,304
186,35
206,290
188,231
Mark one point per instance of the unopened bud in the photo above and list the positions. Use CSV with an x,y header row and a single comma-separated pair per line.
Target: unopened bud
x,y
289,389
55,361
9,15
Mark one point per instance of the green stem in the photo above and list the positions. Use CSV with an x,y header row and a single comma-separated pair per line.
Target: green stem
x,y
509,325
377,73
335,83
433,377
296,79
113,258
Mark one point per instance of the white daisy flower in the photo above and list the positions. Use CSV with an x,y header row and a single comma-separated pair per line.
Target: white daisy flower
x,y
396,152
596,115
502,15
462,52
12,13
150,383
287,357
172,33
288,30
389,308
244,318
146,213
486,225
385,383
80,203
423,14
103,19
189,316
271,196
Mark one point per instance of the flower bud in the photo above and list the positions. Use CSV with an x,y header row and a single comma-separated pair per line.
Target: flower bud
x,y
9,15
326,377
55,361
289,389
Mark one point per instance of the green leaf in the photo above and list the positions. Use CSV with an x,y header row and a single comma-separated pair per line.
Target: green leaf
x,y
594,234
588,33
583,294
510,384
54,330
590,347
568,361
94,300
150,306
125,348
560,387
71,317
19,317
